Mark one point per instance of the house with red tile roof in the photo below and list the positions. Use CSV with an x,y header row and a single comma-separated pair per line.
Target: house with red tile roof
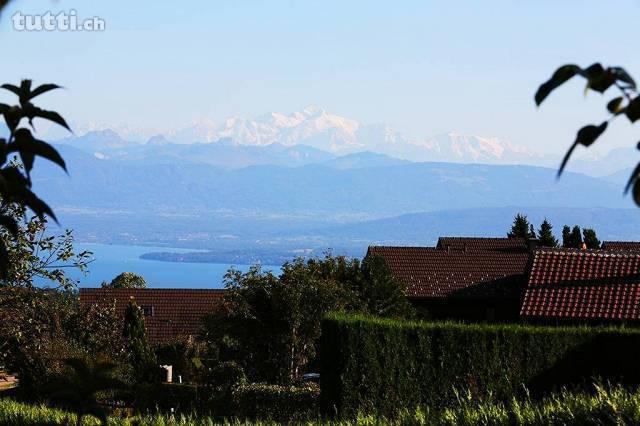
x,y
583,286
462,278
169,314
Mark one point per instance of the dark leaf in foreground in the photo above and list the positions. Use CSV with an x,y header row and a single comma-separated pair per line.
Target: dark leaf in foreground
x,y
622,75
25,142
562,75
614,105
32,112
586,136
42,89
632,178
636,192
633,109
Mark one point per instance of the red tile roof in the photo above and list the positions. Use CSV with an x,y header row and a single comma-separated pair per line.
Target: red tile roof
x,y
621,245
176,312
481,243
497,271
574,284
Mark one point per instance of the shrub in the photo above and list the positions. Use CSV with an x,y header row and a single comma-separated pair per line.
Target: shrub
x,y
378,365
278,403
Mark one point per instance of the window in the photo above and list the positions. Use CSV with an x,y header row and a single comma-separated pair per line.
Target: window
x,y
147,311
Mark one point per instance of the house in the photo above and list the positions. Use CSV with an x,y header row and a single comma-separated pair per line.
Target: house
x,y
462,278
169,314
592,286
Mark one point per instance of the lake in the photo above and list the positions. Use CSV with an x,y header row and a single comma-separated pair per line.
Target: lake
x,y
112,259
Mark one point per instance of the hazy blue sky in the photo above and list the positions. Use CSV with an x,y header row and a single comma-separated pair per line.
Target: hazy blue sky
x,y
424,67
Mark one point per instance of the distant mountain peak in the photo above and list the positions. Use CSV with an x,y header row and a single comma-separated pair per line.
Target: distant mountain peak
x,y
315,127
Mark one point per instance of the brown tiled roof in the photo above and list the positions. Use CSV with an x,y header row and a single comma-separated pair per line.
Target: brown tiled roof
x,y
481,243
621,245
175,312
567,284
497,271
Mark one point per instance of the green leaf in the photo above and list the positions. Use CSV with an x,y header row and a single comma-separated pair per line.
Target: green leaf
x,y
614,105
559,77
633,109
43,88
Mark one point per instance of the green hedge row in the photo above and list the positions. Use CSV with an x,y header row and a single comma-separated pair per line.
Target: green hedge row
x,y
278,403
382,366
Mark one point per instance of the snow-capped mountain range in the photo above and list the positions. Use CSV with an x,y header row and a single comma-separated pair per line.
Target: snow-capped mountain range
x,y
316,128
338,135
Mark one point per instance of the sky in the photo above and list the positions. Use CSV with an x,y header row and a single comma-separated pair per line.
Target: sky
x,y
423,67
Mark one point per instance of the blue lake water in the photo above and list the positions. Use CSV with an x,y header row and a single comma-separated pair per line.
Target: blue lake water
x,y
111,260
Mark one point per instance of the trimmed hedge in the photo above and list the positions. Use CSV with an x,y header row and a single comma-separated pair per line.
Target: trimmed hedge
x,y
382,366
278,403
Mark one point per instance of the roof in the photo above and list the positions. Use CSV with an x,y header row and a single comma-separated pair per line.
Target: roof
x,y
583,285
481,243
175,312
621,245
495,271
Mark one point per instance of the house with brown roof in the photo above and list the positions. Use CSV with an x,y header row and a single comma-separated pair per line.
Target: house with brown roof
x,y
595,286
462,278
169,314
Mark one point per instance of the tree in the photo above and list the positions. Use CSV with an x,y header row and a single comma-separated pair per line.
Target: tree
x,y
16,185
574,239
78,388
566,236
545,235
590,239
127,280
599,79
141,356
379,293
270,325
521,228
33,252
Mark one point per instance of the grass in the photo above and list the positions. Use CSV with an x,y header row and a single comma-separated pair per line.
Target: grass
x,y
606,406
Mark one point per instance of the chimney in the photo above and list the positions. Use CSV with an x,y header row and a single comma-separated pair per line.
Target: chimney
x,y
584,246
532,243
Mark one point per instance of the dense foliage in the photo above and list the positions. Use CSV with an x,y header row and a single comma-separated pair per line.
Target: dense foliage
x,y
521,228
270,324
545,235
141,357
380,365
16,185
275,402
127,280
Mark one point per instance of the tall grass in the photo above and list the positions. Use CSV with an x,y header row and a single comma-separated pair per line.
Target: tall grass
x,y
608,405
